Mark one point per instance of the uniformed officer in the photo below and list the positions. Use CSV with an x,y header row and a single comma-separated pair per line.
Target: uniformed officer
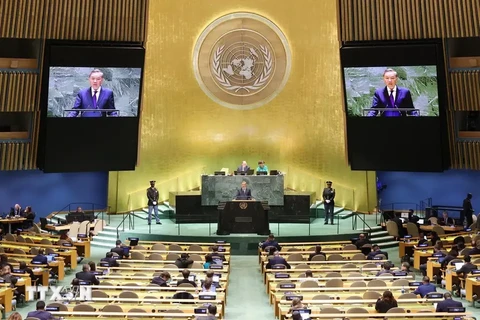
x,y
152,195
329,201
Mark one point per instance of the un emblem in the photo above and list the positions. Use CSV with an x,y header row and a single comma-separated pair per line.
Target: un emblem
x,y
242,60
243,205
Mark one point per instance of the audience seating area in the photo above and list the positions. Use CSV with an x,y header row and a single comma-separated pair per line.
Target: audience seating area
x,y
128,291
340,283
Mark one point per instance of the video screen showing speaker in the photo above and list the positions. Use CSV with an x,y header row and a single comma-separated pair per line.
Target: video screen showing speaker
x,y
395,101
391,91
93,92
90,106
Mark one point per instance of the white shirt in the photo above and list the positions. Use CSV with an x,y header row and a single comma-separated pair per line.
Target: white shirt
x,y
96,94
394,92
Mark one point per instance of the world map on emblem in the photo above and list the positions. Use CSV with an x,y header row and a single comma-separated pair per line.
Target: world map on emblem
x,y
242,61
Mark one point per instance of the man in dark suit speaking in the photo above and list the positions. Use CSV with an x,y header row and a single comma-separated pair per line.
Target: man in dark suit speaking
x,y
392,97
95,97
244,193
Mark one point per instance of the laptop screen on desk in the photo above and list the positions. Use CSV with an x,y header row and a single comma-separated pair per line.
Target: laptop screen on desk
x,y
421,221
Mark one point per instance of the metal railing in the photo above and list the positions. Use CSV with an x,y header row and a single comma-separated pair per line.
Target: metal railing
x,y
361,216
131,222
85,205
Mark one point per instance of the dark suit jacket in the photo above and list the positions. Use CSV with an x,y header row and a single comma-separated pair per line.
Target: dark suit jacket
x,y
381,100
466,269
443,306
152,195
14,212
240,169
449,222
119,251
329,194
243,195
111,262
84,100
40,314
87,276
40,258
273,243
277,260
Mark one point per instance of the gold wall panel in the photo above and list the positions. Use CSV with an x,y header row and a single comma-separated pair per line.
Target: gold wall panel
x,y
301,131
464,90
112,20
21,18
408,19
18,91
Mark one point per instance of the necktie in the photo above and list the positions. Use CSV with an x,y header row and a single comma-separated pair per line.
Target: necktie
x,y
392,99
95,99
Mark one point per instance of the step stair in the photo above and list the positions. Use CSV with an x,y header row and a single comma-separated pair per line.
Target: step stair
x,y
381,237
105,238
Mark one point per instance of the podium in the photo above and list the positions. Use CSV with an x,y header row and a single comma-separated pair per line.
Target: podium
x,y
243,216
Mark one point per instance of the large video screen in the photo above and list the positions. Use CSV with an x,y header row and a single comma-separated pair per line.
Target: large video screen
x,y
90,105
391,91
395,97
93,92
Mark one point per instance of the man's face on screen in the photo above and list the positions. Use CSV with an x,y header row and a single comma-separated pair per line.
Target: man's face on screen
x,y
390,79
96,80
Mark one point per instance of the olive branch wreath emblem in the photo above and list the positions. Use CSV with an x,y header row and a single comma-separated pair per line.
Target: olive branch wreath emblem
x,y
259,83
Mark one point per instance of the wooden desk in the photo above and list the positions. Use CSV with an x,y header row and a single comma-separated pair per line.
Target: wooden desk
x,y
57,228
472,287
417,316
155,305
83,246
6,297
81,315
70,253
58,266
10,221
276,295
412,305
447,229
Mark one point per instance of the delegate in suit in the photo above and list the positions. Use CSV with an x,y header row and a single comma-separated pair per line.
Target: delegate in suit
x,y
392,97
95,97
244,193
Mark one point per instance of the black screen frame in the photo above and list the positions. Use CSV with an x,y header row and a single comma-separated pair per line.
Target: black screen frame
x,y
88,144
401,143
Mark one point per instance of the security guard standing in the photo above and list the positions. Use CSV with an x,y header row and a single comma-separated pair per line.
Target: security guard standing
x,y
329,201
152,195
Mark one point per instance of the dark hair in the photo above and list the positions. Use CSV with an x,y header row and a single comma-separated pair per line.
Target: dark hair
x,y
41,251
271,236
467,258
109,255
308,273
92,265
40,305
165,274
185,273
207,284
212,309
209,258
209,274
23,265
3,258
118,242
388,296
184,256
318,249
